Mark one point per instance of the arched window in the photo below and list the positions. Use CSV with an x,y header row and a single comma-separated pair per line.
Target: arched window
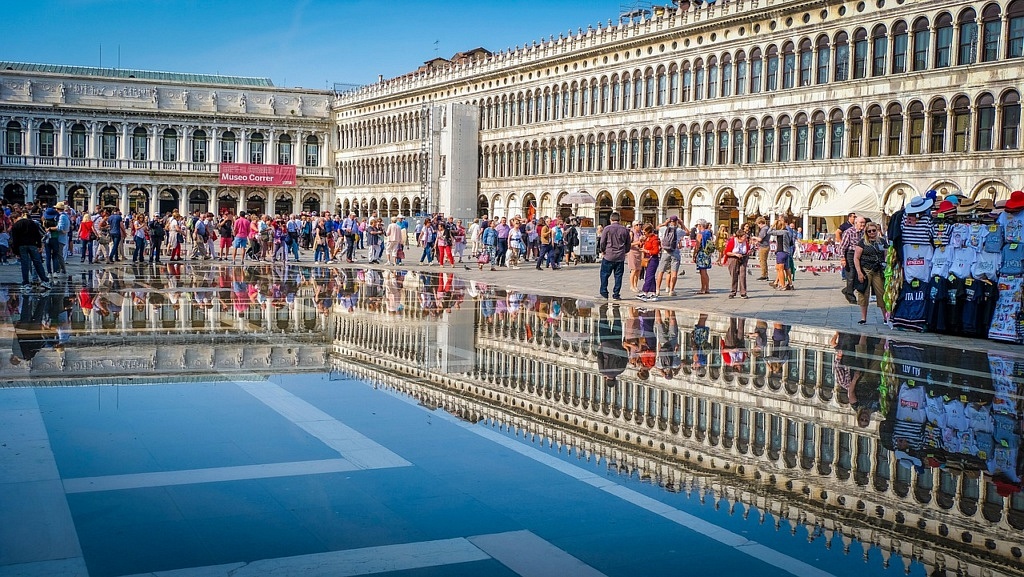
x,y
634,150
709,144
967,44
922,40
895,115
1015,32
842,46
752,141
659,148
785,139
169,146
986,122
737,142
698,79
13,134
723,143
856,133
257,148
768,140
824,57
802,136
899,47
673,85
874,131
992,29
227,146
627,91
695,145
662,81
685,93
806,59
199,146
788,66
772,74
726,76
879,42
650,89
78,138
638,90
741,73
943,40
860,53
140,143
838,132
284,149
670,148
108,143
757,70
312,151
47,141
937,112
915,115
616,93
712,77
961,123
819,132
1009,105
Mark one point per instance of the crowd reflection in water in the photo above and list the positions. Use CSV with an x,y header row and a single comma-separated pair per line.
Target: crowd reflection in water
x,y
930,413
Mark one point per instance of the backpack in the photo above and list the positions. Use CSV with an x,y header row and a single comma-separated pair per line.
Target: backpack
x,y
558,234
669,240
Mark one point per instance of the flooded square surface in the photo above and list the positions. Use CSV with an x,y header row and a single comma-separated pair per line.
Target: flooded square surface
x,y
271,421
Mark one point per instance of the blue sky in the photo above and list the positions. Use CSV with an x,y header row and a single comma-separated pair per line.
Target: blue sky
x,y
307,43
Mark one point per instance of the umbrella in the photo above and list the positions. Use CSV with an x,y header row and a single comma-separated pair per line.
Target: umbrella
x,y
581,197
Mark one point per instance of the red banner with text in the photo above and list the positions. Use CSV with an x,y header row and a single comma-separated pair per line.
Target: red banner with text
x,y
257,174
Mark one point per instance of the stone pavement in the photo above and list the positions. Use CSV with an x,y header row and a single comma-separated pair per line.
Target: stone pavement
x,y
816,302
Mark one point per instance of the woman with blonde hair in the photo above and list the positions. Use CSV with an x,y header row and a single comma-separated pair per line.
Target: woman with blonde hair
x,y
782,243
634,256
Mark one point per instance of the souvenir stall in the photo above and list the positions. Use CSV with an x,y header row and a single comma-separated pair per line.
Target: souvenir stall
x,y
960,267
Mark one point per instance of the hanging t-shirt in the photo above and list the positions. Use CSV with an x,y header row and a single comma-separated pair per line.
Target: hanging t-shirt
x,y
936,307
935,411
942,256
1013,258
986,265
980,417
911,404
962,261
1013,226
976,235
910,306
942,233
958,234
955,304
974,291
917,261
917,229
955,418
994,239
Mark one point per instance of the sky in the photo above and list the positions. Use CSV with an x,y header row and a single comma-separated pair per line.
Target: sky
x,y
295,43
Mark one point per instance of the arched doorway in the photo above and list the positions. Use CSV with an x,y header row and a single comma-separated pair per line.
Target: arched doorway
x,y
14,193
649,207
78,198
406,207
198,200
674,204
364,209
530,206
627,207
605,206
255,203
227,202
46,194
167,201
482,206
395,210
728,213
138,201
417,207
283,203
373,207
110,197
311,204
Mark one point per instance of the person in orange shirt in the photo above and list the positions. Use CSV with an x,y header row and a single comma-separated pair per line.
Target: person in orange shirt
x,y
651,251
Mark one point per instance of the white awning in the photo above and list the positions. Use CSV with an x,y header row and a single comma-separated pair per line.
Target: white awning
x,y
860,199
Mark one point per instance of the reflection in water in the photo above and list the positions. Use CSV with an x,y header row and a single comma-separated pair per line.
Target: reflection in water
x,y
908,450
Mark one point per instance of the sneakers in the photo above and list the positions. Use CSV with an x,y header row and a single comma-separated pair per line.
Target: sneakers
x,y
46,285
26,288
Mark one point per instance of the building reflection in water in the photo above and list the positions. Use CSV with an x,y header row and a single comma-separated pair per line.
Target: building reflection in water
x,y
870,444
844,437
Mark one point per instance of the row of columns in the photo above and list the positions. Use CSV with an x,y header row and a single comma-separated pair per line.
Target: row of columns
x,y
185,142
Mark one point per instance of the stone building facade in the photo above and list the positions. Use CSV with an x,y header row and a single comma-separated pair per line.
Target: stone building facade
x,y
718,111
154,141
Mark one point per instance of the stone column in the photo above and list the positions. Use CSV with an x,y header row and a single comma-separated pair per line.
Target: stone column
x,y
62,138
153,144
242,154
122,203
28,146
213,154
125,150
92,145
93,196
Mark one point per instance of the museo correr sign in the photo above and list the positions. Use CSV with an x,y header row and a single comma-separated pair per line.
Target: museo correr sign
x,y
257,174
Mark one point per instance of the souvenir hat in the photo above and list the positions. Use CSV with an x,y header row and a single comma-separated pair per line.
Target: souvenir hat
x,y
920,204
1016,202
946,207
966,206
50,212
984,205
998,208
956,197
60,206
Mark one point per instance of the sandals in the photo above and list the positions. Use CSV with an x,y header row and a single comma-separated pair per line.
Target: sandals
x,y
862,322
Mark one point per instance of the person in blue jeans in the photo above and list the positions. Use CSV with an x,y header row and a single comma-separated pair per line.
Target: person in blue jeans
x,y
427,237
27,241
614,244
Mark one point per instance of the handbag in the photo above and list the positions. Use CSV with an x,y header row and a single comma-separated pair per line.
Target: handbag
x,y
644,261
484,258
